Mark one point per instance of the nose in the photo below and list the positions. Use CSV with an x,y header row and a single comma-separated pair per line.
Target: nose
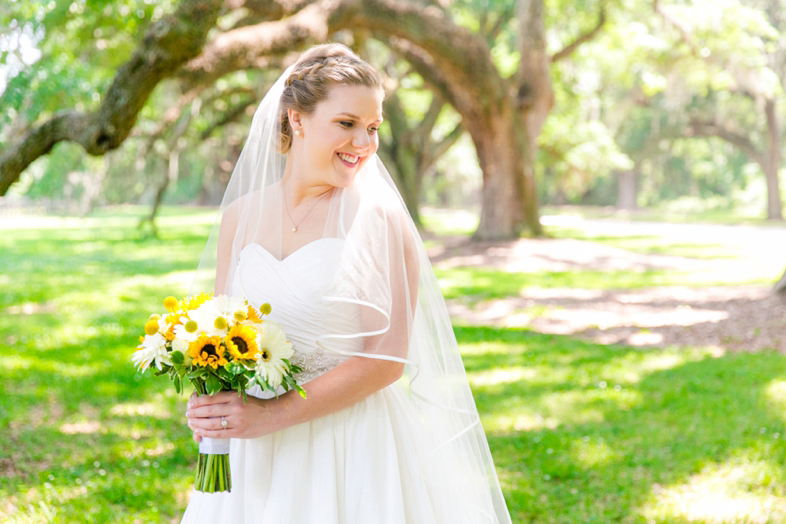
x,y
361,140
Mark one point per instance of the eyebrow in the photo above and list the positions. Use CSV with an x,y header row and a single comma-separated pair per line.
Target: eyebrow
x,y
357,117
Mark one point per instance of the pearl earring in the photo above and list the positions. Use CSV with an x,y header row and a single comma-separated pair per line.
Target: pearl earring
x,y
297,132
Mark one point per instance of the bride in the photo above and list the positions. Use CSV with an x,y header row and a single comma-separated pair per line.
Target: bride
x,y
312,224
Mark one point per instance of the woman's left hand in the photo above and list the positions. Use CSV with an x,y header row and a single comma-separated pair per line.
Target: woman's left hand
x,y
243,420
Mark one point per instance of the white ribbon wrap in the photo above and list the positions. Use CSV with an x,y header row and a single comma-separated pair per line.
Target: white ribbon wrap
x,y
214,446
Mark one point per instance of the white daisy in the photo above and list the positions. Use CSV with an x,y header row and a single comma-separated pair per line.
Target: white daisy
x,y
273,348
152,350
210,320
228,306
163,326
181,333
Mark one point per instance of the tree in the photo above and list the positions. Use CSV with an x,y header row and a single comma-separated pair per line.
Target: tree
x,y
730,60
409,149
502,115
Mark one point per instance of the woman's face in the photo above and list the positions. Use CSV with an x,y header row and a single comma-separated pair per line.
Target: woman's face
x,y
341,134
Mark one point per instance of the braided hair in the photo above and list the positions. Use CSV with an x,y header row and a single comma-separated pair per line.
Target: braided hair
x,y
317,69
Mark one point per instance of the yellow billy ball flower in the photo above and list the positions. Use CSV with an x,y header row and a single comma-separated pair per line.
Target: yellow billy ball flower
x,y
240,315
155,316
151,328
265,309
220,323
170,303
191,326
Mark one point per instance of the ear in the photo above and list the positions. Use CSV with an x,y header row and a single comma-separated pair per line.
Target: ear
x,y
295,117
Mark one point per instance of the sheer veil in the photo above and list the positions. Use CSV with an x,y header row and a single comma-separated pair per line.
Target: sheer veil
x,y
384,272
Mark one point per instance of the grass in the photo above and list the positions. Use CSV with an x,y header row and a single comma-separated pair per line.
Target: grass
x,y
580,432
584,432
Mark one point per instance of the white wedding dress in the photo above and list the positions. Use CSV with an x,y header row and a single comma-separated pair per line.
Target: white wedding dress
x,y
358,465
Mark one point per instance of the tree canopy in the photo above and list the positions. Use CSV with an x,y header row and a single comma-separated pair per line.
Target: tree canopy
x,y
598,101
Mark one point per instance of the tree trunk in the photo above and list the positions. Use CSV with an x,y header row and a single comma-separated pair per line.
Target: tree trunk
x,y
780,285
534,100
502,209
405,173
626,188
773,163
528,146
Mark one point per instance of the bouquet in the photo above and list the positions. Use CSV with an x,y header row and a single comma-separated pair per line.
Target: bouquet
x,y
217,344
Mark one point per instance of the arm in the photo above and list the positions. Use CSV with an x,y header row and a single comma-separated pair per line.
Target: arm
x,y
226,235
346,384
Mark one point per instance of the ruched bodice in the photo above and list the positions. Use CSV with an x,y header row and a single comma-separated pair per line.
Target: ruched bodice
x,y
294,287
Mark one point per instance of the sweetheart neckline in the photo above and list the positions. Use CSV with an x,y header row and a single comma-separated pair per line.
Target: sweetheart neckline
x,y
298,250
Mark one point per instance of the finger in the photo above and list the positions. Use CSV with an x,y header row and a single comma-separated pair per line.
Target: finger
x,y
210,411
208,423
223,397
222,433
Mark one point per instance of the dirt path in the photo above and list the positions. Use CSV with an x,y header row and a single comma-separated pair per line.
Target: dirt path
x,y
728,317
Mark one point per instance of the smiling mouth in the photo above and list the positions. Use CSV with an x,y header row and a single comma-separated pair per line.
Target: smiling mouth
x,y
349,159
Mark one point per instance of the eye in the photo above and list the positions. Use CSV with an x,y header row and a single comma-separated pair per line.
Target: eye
x,y
373,129
346,123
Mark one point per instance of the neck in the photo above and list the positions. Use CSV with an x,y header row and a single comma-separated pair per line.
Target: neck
x,y
298,187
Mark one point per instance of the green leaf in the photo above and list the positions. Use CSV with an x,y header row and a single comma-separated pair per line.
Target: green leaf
x,y
235,368
177,357
212,384
301,391
290,382
197,373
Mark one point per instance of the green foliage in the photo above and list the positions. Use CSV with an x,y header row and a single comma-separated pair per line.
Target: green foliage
x,y
623,99
82,43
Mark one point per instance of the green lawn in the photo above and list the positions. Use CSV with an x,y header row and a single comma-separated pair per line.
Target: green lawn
x,y
580,432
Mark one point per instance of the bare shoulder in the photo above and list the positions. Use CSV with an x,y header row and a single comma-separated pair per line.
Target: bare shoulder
x,y
242,205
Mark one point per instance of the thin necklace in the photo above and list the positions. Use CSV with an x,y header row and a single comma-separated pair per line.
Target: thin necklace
x,y
294,229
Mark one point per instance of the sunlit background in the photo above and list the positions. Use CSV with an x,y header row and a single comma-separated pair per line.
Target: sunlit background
x,y
624,342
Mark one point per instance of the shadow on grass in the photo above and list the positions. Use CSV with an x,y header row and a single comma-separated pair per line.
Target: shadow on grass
x,y
601,435
72,304
91,440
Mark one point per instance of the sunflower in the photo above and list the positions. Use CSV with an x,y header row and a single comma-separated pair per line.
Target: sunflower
x,y
207,351
242,343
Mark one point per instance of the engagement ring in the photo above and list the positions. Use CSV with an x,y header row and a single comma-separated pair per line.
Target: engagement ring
x,y
224,422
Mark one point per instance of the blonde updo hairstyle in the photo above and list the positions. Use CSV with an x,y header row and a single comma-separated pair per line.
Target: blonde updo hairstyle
x,y
315,72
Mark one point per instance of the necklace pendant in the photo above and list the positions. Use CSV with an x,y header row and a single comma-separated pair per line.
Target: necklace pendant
x,y
294,229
